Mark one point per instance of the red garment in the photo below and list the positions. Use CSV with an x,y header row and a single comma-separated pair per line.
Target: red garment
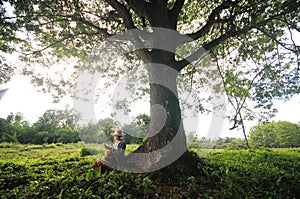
x,y
101,165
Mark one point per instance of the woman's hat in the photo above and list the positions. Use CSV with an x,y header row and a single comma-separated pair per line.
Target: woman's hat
x,y
118,133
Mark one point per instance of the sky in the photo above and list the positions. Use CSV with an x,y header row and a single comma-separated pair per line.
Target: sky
x,y
23,97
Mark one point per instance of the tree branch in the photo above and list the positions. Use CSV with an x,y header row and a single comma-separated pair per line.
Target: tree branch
x,y
102,31
69,18
124,13
208,46
158,12
59,41
140,7
175,11
126,16
230,33
211,20
277,41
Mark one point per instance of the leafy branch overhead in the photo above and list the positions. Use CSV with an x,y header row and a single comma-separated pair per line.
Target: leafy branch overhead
x,y
256,38
68,22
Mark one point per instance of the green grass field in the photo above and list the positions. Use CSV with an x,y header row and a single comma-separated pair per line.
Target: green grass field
x,y
60,171
24,154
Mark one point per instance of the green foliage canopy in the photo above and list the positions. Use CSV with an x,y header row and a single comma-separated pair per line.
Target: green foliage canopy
x,y
50,128
253,41
275,134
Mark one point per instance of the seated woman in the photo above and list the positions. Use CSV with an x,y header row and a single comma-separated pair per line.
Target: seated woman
x,y
114,154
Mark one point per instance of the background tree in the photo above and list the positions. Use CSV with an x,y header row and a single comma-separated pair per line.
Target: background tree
x,y
237,31
89,133
68,135
52,121
25,131
99,132
137,130
218,143
3,129
107,126
14,127
132,133
143,121
275,134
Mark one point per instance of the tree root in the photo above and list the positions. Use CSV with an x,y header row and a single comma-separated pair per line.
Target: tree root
x,y
189,164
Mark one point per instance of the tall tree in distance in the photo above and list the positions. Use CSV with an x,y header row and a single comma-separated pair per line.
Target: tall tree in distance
x,y
53,120
280,134
235,31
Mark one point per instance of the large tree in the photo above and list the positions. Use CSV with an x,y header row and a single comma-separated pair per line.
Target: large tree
x,y
280,134
52,123
235,32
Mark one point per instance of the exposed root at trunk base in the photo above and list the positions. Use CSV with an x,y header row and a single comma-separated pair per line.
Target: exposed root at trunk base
x,y
189,164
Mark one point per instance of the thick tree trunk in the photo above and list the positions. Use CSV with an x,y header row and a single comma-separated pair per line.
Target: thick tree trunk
x,y
165,113
166,141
